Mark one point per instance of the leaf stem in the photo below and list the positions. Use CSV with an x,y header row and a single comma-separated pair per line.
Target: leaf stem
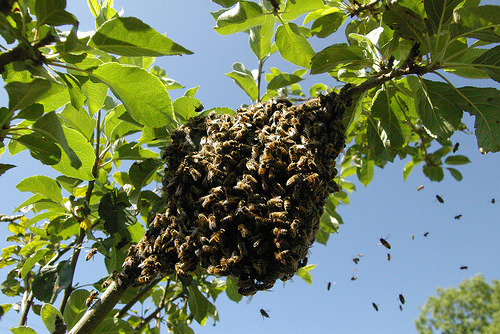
x,y
156,312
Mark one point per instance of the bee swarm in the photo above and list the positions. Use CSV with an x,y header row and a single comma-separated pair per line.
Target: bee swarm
x,y
244,194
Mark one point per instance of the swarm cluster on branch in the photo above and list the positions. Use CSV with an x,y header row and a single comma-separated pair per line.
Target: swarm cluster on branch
x,y
244,194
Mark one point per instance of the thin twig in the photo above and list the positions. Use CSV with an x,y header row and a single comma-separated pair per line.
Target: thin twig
x,y
141,293
155,313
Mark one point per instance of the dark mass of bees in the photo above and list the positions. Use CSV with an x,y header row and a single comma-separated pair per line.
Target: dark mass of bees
x,y
244,194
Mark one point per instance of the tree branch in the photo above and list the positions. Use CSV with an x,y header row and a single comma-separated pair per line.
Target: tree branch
x,y
141,293
25,307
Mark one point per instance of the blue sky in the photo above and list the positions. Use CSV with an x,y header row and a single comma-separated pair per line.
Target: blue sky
x,y
387,207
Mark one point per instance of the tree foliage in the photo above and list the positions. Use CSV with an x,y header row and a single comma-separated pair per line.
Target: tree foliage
x,y
75,100
472,308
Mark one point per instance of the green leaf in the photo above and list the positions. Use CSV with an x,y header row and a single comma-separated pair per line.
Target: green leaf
x,y
22,330
31,261
391,112
54,98
440,12
51,280
52,13
4,308
293,46
407,169
75,307
243,16
143,94
131,151
327,24
232,289
31,113
41,149
334,57
455,173
380,146
140,173
244,78
42,185
96,95
129,36
283,80
434,173
483,104
50,316
74,87
5,167
85,153
51,128
457,160
79,120
437,106
198,303
114,325
480,22
490,61
366,171
185,106
405,22
114,209
260,38
305,274
22,95
294,9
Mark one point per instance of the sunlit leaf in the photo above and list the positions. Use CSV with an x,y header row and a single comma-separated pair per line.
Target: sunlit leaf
x,y
490,61
293,46
260,38
283,80
198,303
31,261
5,167
405,22
241,17
143,94
79,120
113,325
327,24
440,12
50,316
244,78
129,36
75,307
42,185
22,95
294,9
305,274
22,330
232,289
338,55
53,13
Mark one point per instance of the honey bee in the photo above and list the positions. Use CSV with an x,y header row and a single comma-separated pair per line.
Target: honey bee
x,y
316,128
260,266
458,217
199,108
91,254
388,257
440,199
243,230
329,285
330,149
262,169
312,179
412,237
375,306
293,180
426,234
464,268
216,236
263,313
401,299
282,256
276,202
226,220
401,308
455,148
492,201
279,231
92,296
385,243
195,174
420,187
278,215
355,260
279,189
212,222
354,278
242,248
287,204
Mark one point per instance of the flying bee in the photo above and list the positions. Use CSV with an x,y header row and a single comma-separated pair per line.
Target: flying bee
x,y
401,308
426,234
401,299
492,201
420,187
375,306
388,257
354,278
92,296
464,268
355,260
329,285
440,199
263,313
455,148
458,217
90,254
412,237
385,243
